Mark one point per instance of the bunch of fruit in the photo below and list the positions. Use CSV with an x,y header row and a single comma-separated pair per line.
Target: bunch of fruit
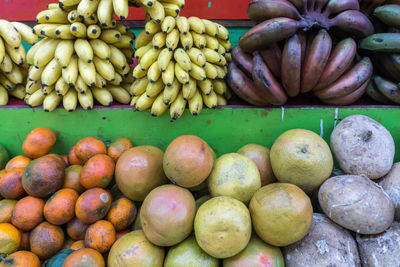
x,y
181,61
157,10
84,55
283,55
13,67
383,48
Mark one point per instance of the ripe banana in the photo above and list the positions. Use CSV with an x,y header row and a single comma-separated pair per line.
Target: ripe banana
x,y
153,89
159,107
198,73
87,7
61,87
93,32
206,86
36,99
110,36
87,72
188,90
183,25
70,73
172,39
354,22
199,40
105,12
350,98
151,27
32,86
143,103
272,56
168,76
168,24
178,106
181,75
18,92
263,10
103,96
223,32
121,8
291,66
70,100
7,64
119,94
18,56
118,59
84,50
186,40
16,75
26,32
64,52
171,92
164,58
51,73
183,60
210,100
197,57
139,86
211,71
100,49
100,81
243,60
34,73
51,101
212,43
149,58
197,25
155,10
154,72
196,104
143,39
104,68
159,40
138,72
73,16
86,100
220,87
52,16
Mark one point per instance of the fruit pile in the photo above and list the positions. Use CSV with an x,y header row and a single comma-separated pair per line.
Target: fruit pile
x,y
84,55
298,47
383,48
182,62
157,10
13,67
185,207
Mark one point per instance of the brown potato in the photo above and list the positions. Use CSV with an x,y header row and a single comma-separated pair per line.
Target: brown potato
x,y
391,184
363,146
326,244
356,203
382,249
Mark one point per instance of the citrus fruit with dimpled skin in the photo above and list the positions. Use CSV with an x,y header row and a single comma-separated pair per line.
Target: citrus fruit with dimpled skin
x,y
234,175
301,157
222,227
281,214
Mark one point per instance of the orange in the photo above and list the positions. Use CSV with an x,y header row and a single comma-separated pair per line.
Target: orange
x,y
6,210
39,142
10,238
88,147
72,177
24,241
93,205
72,158
21,259
85,257
77,245
76,229
27,213
11,185
46,240
118,147
100,236
122,213
18,162
97,172
60,207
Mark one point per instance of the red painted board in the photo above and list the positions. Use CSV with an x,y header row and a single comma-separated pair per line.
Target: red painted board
x,y
26,10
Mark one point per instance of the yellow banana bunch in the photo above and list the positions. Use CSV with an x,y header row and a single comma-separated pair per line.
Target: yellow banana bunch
x,y
181,63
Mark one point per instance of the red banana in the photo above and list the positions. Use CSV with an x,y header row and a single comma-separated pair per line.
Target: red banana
x,y
350,98
272,56
261,10
243,60
354,22
291,65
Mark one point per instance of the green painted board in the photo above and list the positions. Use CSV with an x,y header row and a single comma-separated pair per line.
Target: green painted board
x,y
225,129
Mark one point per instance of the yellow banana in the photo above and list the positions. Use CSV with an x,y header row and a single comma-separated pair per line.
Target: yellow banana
x,y
104,68
6,65
121,8
117,79
2,50
51,73
86,100
68,2
119,94
172,39
70,73
171,92
52,16
199,40
81,86
196,104
221,101
164,58
93,32
70,100
110,36
153,89
158,40
61,87
226,44
154,73
143,39
188,90
35,73
87,7
118,59
149,58
105,12
36,99
64,32
220,72
18,56
32,51
168,24
197,25
100,81
134,101
197,57
211,71
32,86
64,52
18,92
186,41
210,27
78,29
51,101
159,107
168,76
221,50
87,71
26,32
48,89
179,3
93,19
206,86
100,49
198,73
122,28
223,33
142,50
103,96
183,25
181,75
228,57
211,56
138,72
74,17
178,107
182,58
220,87
6,82
151,27
212,43
139,86
210,100
84,50
156,11
15,75
129,54
53,6
144,102
3,96
125,41
171,9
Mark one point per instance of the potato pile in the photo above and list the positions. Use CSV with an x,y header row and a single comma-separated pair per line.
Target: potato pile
x,y
13,67
182,62
84,56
